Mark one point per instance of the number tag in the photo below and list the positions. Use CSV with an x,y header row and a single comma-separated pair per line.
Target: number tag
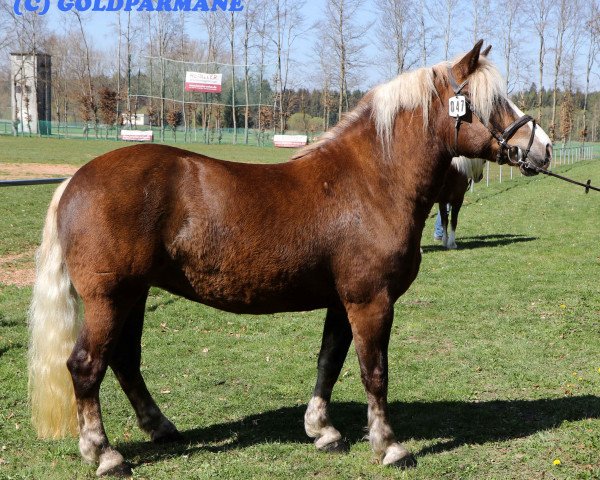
x,y
457,106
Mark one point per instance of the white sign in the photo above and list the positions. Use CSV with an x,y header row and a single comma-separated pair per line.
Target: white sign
x,y
137,135
457,106
203,82
290,141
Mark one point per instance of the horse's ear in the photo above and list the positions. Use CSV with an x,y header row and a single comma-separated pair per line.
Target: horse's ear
x,y
468,64
486,52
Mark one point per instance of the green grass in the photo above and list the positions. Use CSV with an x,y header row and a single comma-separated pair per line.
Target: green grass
x,y
78,152
494,360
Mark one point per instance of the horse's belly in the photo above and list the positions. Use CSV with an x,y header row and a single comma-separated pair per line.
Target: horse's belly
x,y
253,291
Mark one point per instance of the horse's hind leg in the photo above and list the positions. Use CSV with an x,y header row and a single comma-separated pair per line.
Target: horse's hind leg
x,y
88,362
371,326
125,362
337,336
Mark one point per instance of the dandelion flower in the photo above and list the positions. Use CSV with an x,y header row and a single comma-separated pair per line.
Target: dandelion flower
x,y
556,461
562,305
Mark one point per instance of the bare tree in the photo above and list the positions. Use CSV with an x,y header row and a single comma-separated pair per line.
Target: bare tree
x,y
346,38
250,15
211,25
563,20
232,58
325,60
289,22
481,15
511,11
443,12
423,31
539,15
263,25
88,98
593,29
397,31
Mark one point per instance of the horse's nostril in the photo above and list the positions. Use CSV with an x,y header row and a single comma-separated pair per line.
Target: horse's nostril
x,y
548,152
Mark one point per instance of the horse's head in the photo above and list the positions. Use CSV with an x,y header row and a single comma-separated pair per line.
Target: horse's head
x,y
492,126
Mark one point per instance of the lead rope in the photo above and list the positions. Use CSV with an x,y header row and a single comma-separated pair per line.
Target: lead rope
x,y
586,185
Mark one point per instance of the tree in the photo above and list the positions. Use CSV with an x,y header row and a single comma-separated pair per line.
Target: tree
x,y
539,15
510,26
345,36
289,21
593,29
563,19
88,98
250,16
481,15
443,12
174,119
108,101
397,31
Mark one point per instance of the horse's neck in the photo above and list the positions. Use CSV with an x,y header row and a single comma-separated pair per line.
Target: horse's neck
x,y
408,180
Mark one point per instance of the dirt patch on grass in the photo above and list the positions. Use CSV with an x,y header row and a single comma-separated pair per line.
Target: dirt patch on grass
x,y
16,171
17,269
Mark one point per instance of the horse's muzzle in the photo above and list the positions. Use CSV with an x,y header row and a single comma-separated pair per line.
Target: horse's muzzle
x,y
532,163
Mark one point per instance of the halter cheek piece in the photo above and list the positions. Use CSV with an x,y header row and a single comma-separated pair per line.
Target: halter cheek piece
x,y
504,153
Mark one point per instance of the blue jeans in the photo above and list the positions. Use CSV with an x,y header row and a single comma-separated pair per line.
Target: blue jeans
x,y
438,230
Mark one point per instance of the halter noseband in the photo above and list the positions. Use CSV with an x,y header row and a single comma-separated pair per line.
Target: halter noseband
x,y
501,137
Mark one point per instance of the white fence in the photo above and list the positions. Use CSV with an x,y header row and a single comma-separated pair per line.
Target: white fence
x,y
560,156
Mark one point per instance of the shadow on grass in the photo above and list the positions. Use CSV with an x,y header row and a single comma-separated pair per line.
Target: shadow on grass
x,y
12,346
483,241
461,422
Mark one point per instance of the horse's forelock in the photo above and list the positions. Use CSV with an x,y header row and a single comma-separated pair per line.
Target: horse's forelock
x,y
486,88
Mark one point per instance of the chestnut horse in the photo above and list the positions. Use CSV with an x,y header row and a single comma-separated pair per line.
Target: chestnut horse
x,y
461,173
337,228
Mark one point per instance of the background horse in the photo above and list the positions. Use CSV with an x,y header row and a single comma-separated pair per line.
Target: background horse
x,y
337,228
461,173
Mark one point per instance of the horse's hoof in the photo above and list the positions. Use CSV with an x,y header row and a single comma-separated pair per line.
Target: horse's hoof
x,y
408,461
112,464
122,470
337,446
166,433
172,436
400,458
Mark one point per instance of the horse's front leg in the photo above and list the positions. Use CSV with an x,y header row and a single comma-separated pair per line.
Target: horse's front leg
x,y
453,224
337,336
371,326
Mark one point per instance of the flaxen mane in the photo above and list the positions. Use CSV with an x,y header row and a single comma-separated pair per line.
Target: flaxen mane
x,y
413,90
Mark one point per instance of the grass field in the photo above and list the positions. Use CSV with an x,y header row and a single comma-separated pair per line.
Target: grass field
x,y
494,356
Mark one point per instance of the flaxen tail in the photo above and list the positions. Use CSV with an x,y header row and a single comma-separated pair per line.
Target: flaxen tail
x,y
53,327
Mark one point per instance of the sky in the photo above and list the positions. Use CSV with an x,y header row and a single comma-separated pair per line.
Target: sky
x,y
100,26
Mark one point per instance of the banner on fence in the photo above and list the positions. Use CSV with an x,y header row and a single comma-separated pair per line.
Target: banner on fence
x,y
203,82
137,135
290,141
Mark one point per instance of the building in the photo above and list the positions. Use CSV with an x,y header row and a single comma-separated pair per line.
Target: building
x,y
31,100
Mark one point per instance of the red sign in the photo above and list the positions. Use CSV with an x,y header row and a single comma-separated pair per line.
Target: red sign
x,y
203,82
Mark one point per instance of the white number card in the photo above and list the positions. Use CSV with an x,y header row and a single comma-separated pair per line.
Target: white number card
x,y
457,106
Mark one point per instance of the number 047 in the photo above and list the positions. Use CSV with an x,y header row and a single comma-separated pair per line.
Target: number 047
x,y
457,106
